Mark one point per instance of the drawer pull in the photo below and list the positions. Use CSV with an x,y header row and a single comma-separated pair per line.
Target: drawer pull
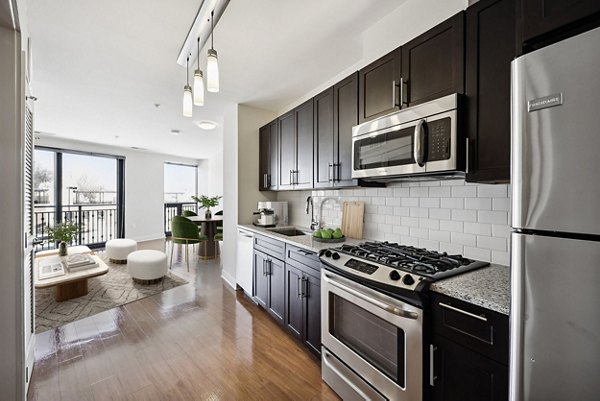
x,y
482,317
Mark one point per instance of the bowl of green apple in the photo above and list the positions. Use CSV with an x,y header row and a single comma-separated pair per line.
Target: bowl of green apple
x,y
329,235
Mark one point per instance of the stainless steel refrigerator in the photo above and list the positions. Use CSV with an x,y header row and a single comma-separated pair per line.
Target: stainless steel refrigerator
x,y
555,282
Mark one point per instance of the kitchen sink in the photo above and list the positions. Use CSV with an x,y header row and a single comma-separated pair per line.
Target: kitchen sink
x,y
289,232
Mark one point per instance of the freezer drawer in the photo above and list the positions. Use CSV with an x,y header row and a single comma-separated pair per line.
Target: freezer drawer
x,y
555,320
556,137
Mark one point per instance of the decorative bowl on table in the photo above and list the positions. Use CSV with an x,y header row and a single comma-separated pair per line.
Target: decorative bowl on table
x,y
329,240
328,235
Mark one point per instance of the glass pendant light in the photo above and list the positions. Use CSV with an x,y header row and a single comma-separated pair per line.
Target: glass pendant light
x,y
198,82
212,61
187,93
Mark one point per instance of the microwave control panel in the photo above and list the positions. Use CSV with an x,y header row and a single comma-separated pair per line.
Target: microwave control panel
x,y
438,138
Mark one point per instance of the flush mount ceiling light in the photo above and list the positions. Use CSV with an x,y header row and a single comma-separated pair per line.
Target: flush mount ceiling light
x,y
206,125
175,132
212,61
187,93
198,82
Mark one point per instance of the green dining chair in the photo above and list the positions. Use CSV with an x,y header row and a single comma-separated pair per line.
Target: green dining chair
x,y
188,213
185,232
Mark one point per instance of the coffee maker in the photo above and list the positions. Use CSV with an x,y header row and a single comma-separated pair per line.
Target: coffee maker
x,y
271,214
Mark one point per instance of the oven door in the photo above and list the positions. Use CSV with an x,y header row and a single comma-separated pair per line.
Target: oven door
x,y
378,337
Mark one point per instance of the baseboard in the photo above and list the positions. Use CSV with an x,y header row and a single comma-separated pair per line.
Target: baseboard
x,y
228,278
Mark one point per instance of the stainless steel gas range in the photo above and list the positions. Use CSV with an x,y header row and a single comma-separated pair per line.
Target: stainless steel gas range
x,y
373,309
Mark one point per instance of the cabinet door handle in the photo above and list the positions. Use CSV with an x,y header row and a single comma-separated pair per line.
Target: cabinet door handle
x,y
464,312
329,169
264,267
291,180
467,157
269,267
394,95
402,83
265,180
299,285
432,376
338,172
305,287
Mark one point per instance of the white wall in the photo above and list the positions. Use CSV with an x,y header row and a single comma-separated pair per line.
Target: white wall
x,y
250,119
11,214
230,193
450,216
215,174
144,184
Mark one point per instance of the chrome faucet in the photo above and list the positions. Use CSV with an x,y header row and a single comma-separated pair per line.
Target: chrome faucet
x,y
309,204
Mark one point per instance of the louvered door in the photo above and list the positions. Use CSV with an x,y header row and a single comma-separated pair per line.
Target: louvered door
x,y
28,262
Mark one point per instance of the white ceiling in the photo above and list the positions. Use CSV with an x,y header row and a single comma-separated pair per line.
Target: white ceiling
x,y
99,67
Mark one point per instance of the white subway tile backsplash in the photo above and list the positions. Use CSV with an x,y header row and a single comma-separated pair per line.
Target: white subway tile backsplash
x,y
492,243
477,253
464,215
492,191
464,239
453,226
478,203
441,214
419,232
450,215
429,202
494,217
418,212
464,192
452,203
431,224
440,236
419,192
410,202
502,258
478,228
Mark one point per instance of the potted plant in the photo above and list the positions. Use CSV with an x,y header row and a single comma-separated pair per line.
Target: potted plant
x,y
207,202
64,233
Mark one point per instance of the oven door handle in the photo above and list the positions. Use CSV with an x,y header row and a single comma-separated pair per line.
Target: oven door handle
x,y
380,304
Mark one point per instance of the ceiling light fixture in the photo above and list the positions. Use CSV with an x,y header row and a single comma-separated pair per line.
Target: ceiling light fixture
x,y
187,93
206,125
198,82
175,132
212,61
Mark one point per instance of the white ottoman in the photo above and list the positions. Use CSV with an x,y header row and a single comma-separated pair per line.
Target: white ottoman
x,y
147,266
118,249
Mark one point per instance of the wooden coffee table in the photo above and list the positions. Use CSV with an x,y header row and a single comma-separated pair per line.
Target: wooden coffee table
x,y
69,285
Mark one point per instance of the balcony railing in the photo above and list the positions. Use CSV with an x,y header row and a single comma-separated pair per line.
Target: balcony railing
x,y
97,223
175,209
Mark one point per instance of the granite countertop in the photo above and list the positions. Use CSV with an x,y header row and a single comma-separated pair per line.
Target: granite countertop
x,y
488,287
302,241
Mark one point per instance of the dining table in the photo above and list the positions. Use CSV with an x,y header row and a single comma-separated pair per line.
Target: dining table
x,y
208,227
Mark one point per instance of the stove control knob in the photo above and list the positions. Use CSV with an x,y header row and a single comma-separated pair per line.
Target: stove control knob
x,y
394,275
335,256
328,253
408,279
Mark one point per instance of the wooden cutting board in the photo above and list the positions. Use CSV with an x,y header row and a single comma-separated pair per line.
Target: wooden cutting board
x,y
353,219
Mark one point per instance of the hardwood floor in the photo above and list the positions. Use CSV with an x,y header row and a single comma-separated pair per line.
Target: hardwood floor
x,y
199,341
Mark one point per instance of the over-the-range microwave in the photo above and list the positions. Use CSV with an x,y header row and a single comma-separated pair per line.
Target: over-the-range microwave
x,y
418,141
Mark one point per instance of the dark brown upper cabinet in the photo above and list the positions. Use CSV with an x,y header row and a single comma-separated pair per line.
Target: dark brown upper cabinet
x,y
303,177
336,112
287,150
541,18
491,45
296,148
379,86
268,157
433,63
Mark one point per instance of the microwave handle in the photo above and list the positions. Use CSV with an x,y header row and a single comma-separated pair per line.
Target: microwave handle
x,y
419,150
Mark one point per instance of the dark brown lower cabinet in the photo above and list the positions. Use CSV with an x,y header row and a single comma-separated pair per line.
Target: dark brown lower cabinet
x,y
469,349
465,375
269,280
303,305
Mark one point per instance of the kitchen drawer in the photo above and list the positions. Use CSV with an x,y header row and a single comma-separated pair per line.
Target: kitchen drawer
x,y
307,258
271,247
476,328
